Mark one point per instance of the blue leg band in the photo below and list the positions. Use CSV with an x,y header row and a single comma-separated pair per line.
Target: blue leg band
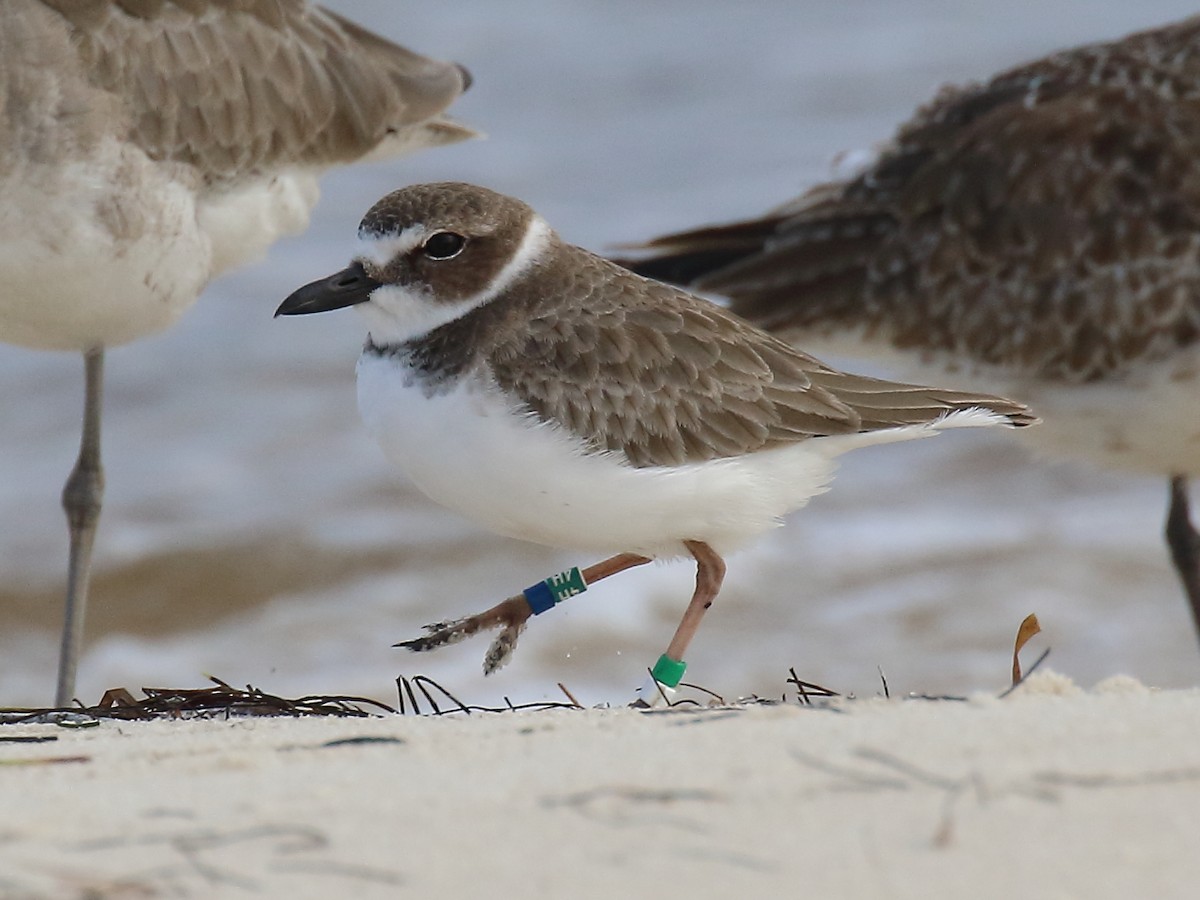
x,y
554,590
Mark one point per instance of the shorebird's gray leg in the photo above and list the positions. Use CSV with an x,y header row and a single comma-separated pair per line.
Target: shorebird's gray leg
x,y
81,499
1184,542
508,615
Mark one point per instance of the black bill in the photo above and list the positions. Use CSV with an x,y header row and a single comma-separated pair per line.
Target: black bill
x,y
348,287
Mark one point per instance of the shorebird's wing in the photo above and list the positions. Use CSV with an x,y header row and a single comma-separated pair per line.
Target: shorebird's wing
x,y
666,378
234,87
1000,224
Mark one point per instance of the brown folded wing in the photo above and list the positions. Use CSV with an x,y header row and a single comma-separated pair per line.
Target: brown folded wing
x,y
237,85
666,378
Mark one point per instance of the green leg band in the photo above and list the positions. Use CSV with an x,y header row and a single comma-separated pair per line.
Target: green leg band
x,y
668,672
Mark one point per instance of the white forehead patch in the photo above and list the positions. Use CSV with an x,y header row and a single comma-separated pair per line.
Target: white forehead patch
x,y
381,249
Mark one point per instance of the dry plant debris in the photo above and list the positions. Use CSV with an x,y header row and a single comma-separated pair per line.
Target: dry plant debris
x,y
418,695
1029,627
196,703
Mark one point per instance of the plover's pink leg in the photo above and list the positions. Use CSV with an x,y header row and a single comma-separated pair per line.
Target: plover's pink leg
x,y
511,615
667,672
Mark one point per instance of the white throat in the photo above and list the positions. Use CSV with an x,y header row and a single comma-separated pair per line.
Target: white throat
x,y
396,314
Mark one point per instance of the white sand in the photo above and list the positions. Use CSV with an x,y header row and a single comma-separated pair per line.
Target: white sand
x,y
1051,793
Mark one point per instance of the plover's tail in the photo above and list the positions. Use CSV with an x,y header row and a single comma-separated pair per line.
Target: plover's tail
x,y
888,404
965,417
893,412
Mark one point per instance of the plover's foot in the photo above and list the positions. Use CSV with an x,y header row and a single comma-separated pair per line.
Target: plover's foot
x,y
509,616
652,694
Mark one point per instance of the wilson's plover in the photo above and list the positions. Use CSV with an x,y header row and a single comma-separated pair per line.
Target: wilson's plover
x,y
146,147
1036,235
555,397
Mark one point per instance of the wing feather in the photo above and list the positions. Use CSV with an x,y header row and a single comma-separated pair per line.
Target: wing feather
x,y
663,377
999,224
235,87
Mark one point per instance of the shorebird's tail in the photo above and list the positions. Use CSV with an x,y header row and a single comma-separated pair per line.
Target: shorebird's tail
x,y
889,404
964,417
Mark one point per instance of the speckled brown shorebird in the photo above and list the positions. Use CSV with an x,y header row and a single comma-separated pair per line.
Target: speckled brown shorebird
x,y
1037,235
146,147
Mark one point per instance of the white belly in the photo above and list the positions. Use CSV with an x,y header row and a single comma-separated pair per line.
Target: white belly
x,y
96,252
101,251
471,452
1147,420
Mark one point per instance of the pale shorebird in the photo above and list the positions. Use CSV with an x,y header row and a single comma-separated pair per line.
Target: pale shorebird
x,y
146,147
1036,235
555,397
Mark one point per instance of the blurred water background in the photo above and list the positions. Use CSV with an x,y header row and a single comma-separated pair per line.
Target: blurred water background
x,y
253,531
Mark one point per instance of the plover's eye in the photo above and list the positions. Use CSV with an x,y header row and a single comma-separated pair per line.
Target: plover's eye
x,y
443,245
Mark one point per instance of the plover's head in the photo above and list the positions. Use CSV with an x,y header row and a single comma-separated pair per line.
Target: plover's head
x,y
429,254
